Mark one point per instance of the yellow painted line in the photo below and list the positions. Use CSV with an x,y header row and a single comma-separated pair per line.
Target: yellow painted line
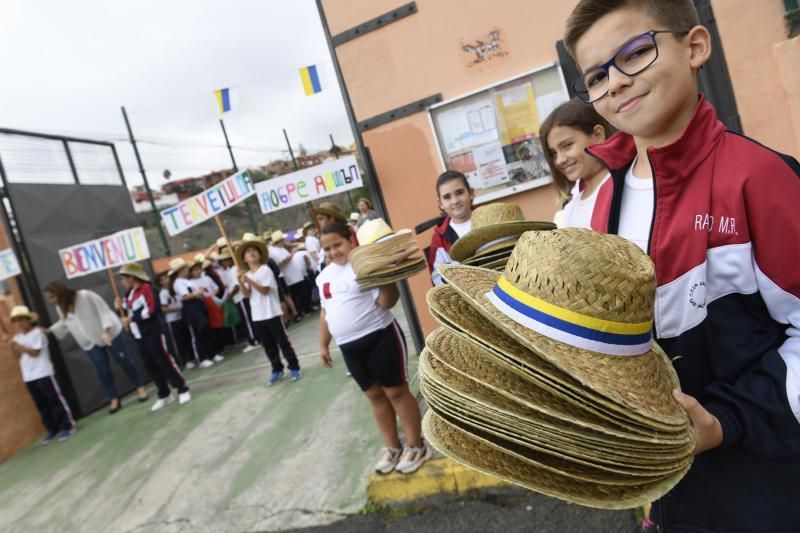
x,y
437,476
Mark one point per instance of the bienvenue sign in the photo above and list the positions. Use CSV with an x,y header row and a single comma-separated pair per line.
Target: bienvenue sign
x,y
9,266
126,246
308,184
209,203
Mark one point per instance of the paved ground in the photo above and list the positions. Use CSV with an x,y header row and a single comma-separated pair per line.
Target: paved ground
x,y
505,510
245,457
240,457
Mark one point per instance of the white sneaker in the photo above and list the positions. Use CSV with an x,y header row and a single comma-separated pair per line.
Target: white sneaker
x,y
190,365
184,397
218,358
413,458
162,403
388,460
250,348
207,363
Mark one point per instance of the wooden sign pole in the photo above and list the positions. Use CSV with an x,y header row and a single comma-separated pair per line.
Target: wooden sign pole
x,y
228,242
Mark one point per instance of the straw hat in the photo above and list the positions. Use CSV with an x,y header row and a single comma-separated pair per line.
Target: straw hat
x,y
176,265
375,231
277,236
308,225
224,253
250,240
221,242
330,209
134,270
494,226
354,216
593,321
22,311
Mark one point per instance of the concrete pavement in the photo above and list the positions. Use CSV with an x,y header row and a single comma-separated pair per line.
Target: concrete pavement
x,y
239,457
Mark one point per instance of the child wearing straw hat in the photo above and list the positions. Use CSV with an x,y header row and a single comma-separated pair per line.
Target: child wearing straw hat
x,y
211,290
193,311
312,242
374,350
144,320
454,196
30,345
260,285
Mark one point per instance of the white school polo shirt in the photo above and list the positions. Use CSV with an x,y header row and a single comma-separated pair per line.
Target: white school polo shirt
x,y
350,313
38,367
264,306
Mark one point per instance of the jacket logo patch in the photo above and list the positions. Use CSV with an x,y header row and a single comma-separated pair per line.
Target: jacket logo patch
x,y
697,295
706,222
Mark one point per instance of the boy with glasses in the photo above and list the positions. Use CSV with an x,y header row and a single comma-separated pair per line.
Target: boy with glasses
x,y
719,214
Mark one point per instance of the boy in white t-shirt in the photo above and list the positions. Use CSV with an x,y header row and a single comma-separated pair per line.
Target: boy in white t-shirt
x,y
30,345
374,350
260,285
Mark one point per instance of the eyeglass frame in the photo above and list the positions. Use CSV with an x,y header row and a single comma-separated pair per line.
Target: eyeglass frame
x,y
606,67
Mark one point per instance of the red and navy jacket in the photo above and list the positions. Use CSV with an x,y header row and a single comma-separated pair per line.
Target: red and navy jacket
x,y
443,238
144,309
725,241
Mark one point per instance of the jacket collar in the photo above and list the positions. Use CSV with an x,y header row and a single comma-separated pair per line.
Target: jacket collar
x,y
673,161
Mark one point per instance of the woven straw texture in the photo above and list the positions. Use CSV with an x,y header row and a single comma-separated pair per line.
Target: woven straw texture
x,y
461,447
491,222
452,310
615,281
330,209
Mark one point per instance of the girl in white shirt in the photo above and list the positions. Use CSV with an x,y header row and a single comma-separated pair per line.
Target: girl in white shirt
x,y
260,285
176,328
374,350
565,134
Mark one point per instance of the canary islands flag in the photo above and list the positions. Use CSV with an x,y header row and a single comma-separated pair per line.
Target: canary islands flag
x,y
224,100
310,79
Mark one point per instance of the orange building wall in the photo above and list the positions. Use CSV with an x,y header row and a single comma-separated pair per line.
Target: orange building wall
x,y
421,55
19,420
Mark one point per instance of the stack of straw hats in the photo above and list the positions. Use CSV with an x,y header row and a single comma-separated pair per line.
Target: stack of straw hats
x,y
384,256
546,375
496,228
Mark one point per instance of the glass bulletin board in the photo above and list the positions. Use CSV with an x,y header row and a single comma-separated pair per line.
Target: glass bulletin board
x,y
492,135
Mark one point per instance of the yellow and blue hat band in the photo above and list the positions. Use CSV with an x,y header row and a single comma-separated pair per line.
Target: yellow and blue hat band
x,y
383,236
576,329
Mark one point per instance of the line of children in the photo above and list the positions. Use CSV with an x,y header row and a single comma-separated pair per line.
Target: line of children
x,y
374,350
718,214
30,345
260,285
194,313
144,320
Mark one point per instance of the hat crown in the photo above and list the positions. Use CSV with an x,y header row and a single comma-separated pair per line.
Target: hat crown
x,y
371,231
177,264
22,310
250,237
498,213
597,275
277,236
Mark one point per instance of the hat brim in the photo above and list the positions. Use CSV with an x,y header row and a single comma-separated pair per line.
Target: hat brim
x,y
330,212
141,276
30,315
643,383
454,312
403,270
478,455
242,248
531,390
466,245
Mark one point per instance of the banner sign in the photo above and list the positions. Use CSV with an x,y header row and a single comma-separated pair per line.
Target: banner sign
x,y
9,266
309,184
209,203
126,246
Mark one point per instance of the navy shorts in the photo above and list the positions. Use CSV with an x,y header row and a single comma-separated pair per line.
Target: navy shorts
x,y
379,357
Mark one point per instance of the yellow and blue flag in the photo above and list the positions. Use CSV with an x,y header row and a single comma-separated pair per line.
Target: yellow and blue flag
x,y
224,98
310,79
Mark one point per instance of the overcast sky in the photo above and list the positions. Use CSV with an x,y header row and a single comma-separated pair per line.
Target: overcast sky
x,y
67,67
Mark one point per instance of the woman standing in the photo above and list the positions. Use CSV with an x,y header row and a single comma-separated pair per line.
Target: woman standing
x,y
98,331
365,212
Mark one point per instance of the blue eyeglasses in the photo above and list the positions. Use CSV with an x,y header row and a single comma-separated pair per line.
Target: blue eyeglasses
x,y
634,56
